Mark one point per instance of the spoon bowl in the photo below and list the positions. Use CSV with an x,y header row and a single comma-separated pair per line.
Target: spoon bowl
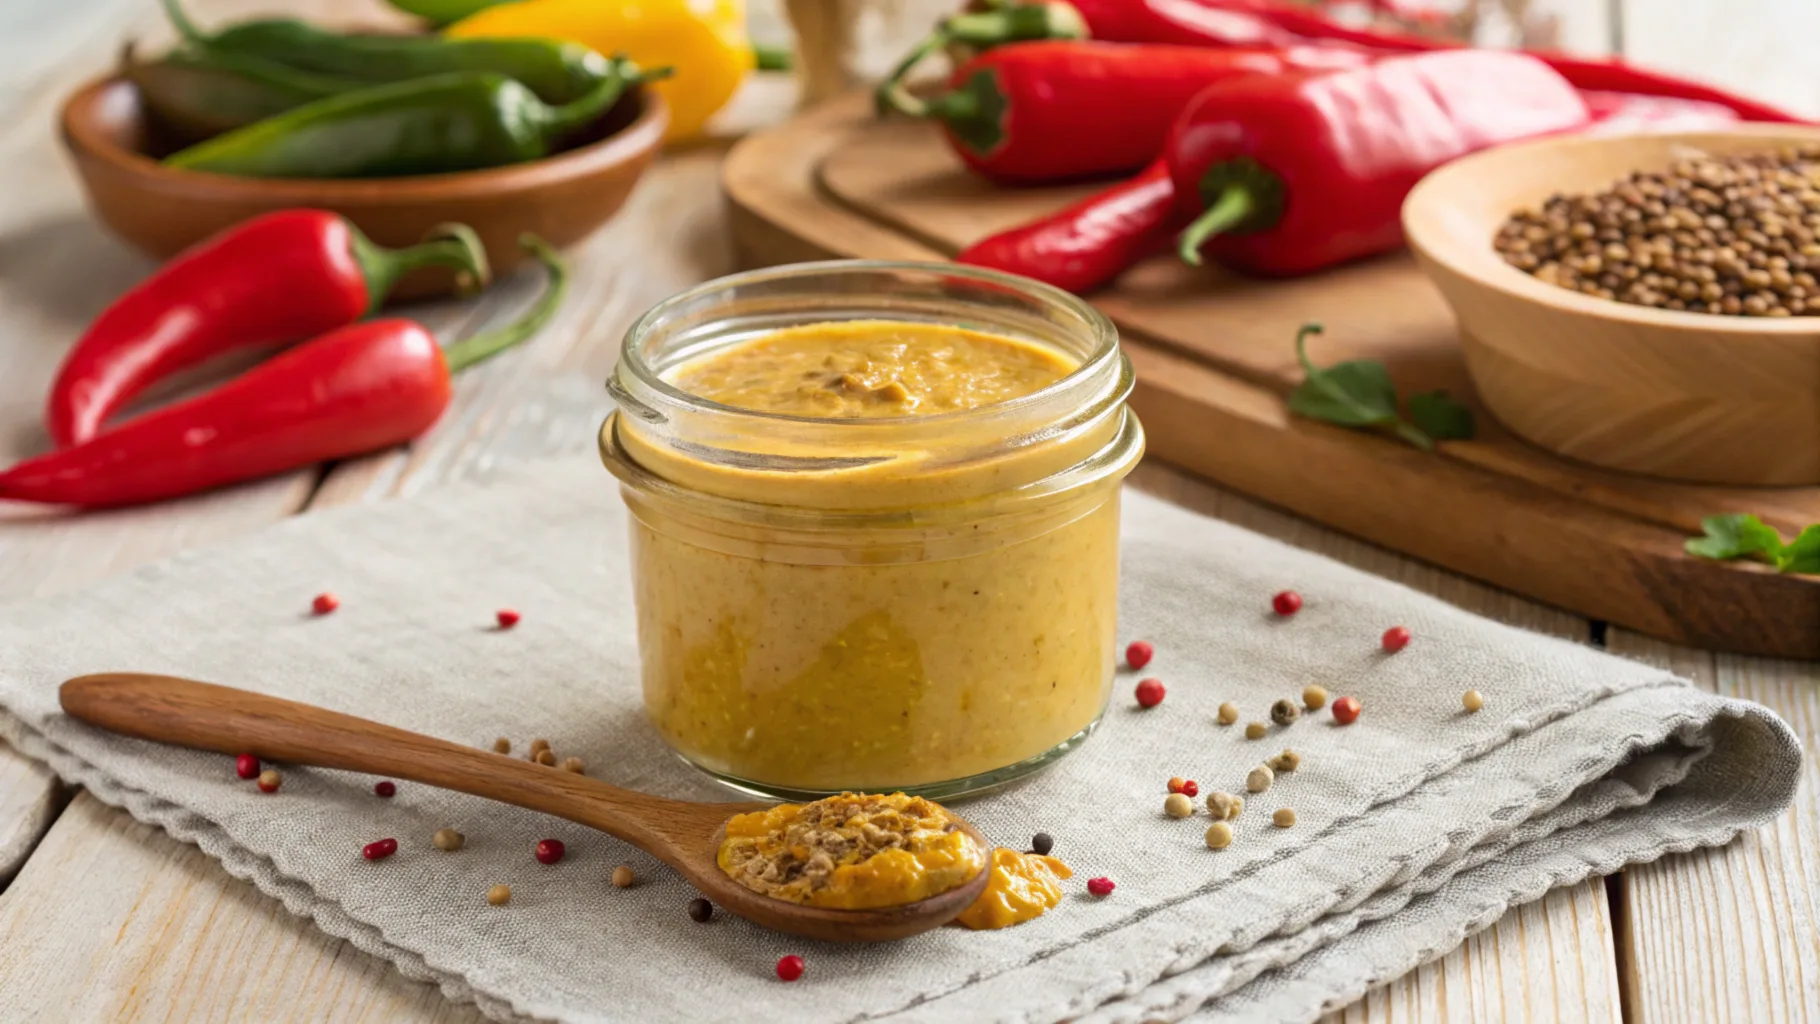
x,y
683,834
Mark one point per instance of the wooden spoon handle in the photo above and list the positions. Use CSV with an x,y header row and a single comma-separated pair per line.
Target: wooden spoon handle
x,y
204,716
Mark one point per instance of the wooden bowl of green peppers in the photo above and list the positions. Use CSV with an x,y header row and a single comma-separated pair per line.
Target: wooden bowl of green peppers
x,y
397,133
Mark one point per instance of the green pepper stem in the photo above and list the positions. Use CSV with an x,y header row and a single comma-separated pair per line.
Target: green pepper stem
x,y
892,94
447,245
1234,205
180,20
468,351
770,57
582,112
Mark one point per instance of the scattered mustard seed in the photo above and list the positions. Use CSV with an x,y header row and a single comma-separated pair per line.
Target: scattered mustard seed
x,y
1472,701
502,746
623,877
1287,761
1229,713
1224,806
572,764
448,840
1283,712
1177,805
544,757
1259,779
1314,698
1256,731
1283,818
1219,836
499,895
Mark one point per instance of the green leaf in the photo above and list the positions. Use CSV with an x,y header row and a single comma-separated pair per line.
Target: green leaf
x,y
1802,554
1352,394
1734,536
1440,417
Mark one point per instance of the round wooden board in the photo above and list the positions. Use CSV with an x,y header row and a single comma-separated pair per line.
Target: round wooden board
x,y
1214,364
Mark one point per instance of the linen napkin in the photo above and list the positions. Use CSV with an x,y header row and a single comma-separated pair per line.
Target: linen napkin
x,y
1415,826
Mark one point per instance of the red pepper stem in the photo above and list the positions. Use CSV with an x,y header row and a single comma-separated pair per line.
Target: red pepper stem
x,y
1000,24
447,245
891,93
1231,209
468,351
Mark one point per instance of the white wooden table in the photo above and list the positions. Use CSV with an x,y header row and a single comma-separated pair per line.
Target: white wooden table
x,y
108,919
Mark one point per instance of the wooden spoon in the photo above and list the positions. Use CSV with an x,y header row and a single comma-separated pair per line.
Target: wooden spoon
x,y
684,835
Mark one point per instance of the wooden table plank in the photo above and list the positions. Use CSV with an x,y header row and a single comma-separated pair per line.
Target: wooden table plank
x,y
1732,935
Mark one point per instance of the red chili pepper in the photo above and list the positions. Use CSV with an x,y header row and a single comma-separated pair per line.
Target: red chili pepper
x,y
1290,174
353,390
1086,245
1055,111
1277,23
271,280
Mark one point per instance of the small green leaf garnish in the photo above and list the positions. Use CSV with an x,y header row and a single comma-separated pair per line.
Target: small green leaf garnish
x,y
1440,417
1746,536
1358,393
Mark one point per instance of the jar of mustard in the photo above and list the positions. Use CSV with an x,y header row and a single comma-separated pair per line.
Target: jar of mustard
x,y
875,518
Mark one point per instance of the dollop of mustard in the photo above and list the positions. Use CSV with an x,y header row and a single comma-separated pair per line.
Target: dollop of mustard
x,y
851,852
1022,887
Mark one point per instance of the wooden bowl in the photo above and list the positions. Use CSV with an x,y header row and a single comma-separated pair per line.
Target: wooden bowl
x,y
1685,396
162,210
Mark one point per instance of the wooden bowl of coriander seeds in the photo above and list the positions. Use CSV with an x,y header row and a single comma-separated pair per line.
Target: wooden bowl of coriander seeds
x,y
1645,303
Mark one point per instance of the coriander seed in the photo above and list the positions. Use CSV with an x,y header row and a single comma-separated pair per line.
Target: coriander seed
x,y
544,757
499,895
448,840
1177,805
502,746
1219,836
539,744
1283,712
623,877
1472,701
572,764
1224,806
1259,779
1229,713
1287,761
1314,698
1256,731
1283,818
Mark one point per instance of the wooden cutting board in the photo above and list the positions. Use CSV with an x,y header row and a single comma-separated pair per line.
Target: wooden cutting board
x,y
1215,360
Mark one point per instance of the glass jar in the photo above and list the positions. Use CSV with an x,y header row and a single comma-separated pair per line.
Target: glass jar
x,y
925,603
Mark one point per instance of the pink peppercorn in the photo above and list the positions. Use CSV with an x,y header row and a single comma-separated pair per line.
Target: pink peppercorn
x,y
380,849
790,968
1150,692
270,780
1395,639
1139,654
549,851
385,788
1346,710
1101,886
1190,788
507,618
325,603
1286,603
246,766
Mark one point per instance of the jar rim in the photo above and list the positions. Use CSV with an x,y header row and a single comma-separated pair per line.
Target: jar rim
x,y
1104,333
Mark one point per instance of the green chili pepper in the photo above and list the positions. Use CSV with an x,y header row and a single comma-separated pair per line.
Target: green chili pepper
x,y
452,122
445,12
556,71
197,96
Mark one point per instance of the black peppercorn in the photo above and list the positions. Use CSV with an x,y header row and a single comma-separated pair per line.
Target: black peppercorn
x,y
700,909
1042,843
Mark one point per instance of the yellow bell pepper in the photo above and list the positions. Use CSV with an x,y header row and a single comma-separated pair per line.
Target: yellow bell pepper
x,y
704,40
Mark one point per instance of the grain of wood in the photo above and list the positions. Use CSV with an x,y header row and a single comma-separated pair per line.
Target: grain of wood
x,y
1732,935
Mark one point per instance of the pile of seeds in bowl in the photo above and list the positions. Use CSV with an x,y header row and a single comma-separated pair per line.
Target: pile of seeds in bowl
x,y
1737,235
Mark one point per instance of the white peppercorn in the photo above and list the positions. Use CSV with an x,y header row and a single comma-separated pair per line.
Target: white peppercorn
x,y
1287,761
1224,806
1259,779
1177,805
1219,836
